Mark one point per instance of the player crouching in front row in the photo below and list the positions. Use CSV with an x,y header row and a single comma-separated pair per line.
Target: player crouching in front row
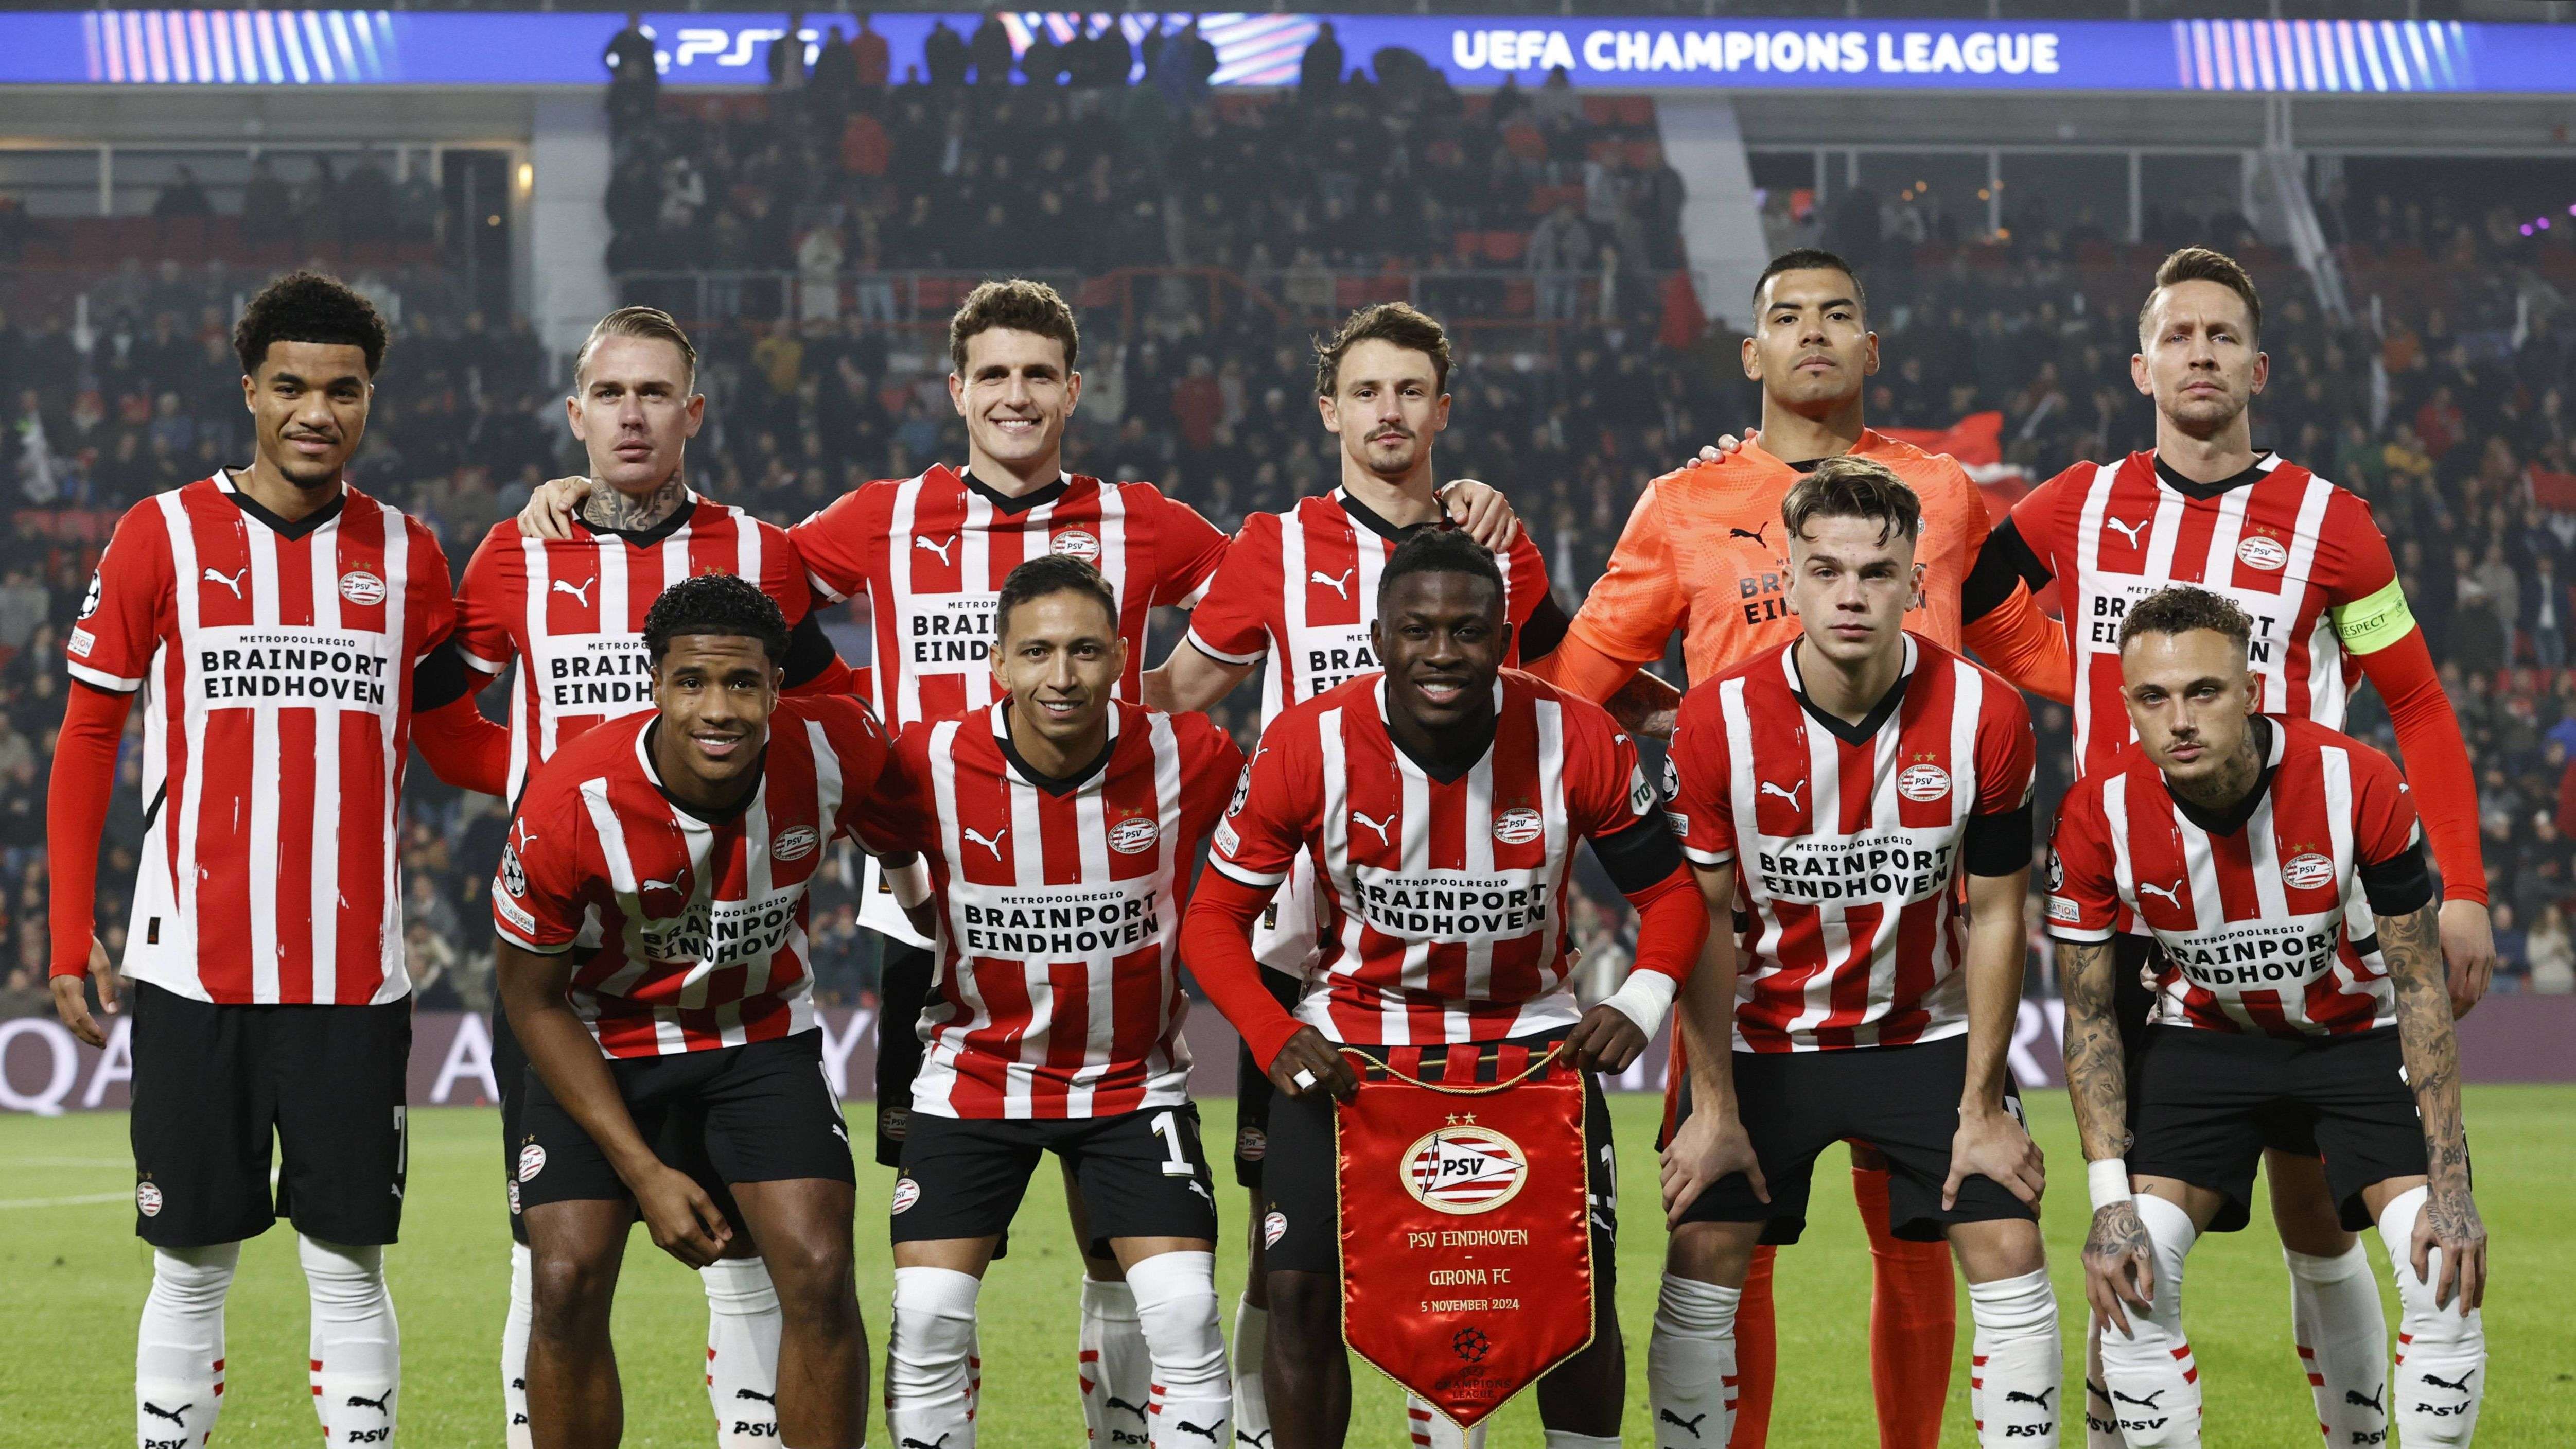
x,y
1060,826
651,908
2279,867
1834,790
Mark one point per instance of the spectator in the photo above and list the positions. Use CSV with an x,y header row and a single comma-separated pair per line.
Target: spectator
x,y
943,55
1042,62
990,51
634,73
2549,956
183,196
1319,73
818,275
787,55
836,76
1559,247
2545,604
869,57
267,207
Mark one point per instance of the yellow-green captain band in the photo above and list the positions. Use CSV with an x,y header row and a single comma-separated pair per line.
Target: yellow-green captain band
x,y
2369,625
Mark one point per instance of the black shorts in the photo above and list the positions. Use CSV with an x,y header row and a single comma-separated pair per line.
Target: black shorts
x,y
1902,1100
1252,1092
1142,1174
1301,1223
903,988
213,1084
2133,1007
757,1113
682,1143
2208,1102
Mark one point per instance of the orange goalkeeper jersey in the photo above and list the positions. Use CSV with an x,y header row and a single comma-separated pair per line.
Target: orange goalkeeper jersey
x,y
1705,552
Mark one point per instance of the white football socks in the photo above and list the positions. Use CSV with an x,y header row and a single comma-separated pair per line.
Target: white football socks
x,y
2441,1356
2343,1344
1251,1405
179,1350
1568,1439
928,1394
1176,1307
742,1352
515,1329
2155,1386
356,1346
1690,1364
1117,1370
1428,1428
2101,1423
2017,1366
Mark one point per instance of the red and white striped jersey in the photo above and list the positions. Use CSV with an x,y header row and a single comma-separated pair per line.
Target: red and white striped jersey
x,y
571,613
691,930
931,552
275,661
1059,906
1849,840
2300,555
1443,919
1301,586
2267,919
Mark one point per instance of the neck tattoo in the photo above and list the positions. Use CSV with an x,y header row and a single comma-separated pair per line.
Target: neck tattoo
x,y
633,513
2228,787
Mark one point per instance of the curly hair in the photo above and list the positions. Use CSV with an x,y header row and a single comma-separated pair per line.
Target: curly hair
x,y
2179,609
1849,487
1436,548
715,604
307,306
1018,305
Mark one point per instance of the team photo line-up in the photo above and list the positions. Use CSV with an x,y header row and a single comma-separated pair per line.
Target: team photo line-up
x,y
2264,932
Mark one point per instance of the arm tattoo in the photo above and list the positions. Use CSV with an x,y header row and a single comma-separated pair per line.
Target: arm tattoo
x,y
2096,1077
2412,946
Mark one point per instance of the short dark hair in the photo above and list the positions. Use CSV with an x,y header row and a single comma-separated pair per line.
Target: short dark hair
x,y
306,306
1052,573
2181,608
1400,323
2201,264
1436,548
715,604
1019,305
648,322
1810,259
1849,487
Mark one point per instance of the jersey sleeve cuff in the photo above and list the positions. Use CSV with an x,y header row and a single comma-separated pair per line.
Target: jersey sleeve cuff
x,y
102,679
478,662
1220,655
2080,935
1711,858
524,944
830,594
1258,879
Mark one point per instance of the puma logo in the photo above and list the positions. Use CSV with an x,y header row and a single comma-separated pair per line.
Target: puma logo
x,y
1116,1402
755,1394
922,542
1260,1440
231,581
1754,534
2129,531
659,885
2149,1402
1204,1431
2353,1396
1377,825
2461,1387
562,586
1667,1416
173,1415
2016,1396
910,1442
1341,586
377,1404
2171,893
1789,794
993,844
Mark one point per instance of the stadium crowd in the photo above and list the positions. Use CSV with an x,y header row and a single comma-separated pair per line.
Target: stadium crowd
x,y
1544,228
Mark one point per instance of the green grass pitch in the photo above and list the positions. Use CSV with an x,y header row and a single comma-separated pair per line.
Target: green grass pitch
x,y
72,1278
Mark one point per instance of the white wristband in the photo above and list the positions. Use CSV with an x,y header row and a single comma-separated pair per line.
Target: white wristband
x,y
911,884
2108,1181
1644,998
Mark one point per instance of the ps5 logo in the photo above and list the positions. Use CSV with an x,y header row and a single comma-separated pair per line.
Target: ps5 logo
x,y
731,49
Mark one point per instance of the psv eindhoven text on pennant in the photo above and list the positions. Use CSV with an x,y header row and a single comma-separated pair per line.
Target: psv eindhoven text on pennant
x,y
1465,1233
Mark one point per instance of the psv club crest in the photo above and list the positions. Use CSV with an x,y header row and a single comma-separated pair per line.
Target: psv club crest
x,y
1464,1169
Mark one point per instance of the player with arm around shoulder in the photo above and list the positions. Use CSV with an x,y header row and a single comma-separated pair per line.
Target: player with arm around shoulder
x,y
1445,767
1060,826
651,908
1836,790
2280,868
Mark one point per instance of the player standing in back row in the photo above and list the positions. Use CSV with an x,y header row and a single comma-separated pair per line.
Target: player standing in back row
x,y
2307,563
2278,866
569,614
287,635
1061,826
